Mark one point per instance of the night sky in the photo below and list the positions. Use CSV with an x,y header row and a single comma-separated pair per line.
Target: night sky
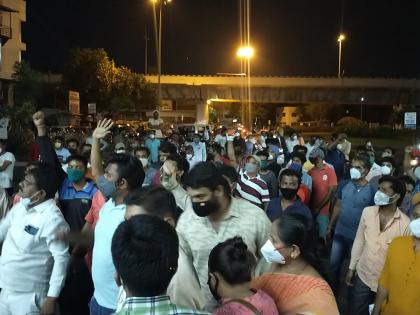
x,y
291,37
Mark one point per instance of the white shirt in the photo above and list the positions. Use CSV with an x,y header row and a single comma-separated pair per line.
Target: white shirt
x,y
6,176
32,260
221,140
155,122
291,144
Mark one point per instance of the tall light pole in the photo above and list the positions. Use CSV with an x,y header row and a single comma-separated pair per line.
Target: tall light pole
x,y
245,53
362,99
158,41
340,40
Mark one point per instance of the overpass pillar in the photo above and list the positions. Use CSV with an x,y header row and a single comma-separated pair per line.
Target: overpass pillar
x,y
202,113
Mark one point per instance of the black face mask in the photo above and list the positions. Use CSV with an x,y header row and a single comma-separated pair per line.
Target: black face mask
x,y
214,290
313,160
288,193
73,151
205,208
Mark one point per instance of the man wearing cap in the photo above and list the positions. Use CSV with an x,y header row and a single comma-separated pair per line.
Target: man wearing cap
x,y
250,185
324,184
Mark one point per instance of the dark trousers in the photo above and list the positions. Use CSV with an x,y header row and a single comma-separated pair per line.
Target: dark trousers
x,y
77,290
360,298
96,309
340,250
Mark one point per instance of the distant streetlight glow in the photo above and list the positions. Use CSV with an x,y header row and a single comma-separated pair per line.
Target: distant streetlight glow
x,y
245,52
341,37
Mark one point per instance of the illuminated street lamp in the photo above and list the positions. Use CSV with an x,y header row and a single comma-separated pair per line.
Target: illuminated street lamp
x,y
158,41
340,39
246,52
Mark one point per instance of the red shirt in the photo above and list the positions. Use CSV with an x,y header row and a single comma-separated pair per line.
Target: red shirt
x,y
322,180
304,194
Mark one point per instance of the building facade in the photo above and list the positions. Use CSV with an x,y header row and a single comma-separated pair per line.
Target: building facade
x,y
12,15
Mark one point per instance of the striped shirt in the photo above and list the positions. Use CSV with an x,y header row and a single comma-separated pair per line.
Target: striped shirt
x,y
198,236
254,189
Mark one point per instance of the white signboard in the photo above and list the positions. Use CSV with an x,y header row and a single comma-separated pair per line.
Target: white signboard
x,y
410,120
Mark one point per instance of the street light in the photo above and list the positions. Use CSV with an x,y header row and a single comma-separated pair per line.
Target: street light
x,y
158,41
246,52
340,39
362,99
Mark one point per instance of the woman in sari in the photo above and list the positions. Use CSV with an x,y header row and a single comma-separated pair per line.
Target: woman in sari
x,y
295,282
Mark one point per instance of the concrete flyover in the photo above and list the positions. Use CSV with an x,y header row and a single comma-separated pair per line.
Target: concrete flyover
x,y
291,90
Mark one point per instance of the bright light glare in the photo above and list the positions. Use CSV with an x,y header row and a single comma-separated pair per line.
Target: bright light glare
x,y
245,52
341,37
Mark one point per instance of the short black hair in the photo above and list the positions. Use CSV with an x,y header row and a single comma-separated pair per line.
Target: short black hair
x,y
290,172
45,179
167,147
59,138
361,148
217,148
145,149
228,171
390,160
73,140
299,155
145,252
78,158
157,201
262,153
396,185
239,142
232,260
300,147
364,158
206,174
389,148
407,180
129,168
181,163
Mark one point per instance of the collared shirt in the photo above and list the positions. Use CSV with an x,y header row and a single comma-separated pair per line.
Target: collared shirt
x,y
32,260
156,305
401,277
353,200
254,189
75,204
198,236
153,146
275,210
200,152
371,244
103,270
322,180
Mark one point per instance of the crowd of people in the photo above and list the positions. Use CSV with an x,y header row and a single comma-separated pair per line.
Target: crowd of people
x,y
218,223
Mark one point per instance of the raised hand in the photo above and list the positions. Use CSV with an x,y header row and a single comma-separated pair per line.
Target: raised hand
x,y
103,129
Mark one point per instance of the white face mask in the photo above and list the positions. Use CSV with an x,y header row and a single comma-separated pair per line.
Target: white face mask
x,y
417,172
27,202
189,156
294,138
152,136
120,151
271,254
280,159
270,157
382,199
355,174
237,134
385,170
339,147
144,161
415,227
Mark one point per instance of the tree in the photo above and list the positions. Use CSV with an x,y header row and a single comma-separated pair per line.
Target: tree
x,y
28,84
99,80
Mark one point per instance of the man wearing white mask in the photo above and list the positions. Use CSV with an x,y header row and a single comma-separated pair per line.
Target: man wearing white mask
x,y
143,154
292,141
399,285
379,225
250,185
387,168
352,198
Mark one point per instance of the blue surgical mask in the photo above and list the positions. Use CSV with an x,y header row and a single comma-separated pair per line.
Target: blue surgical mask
x,y
106,187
